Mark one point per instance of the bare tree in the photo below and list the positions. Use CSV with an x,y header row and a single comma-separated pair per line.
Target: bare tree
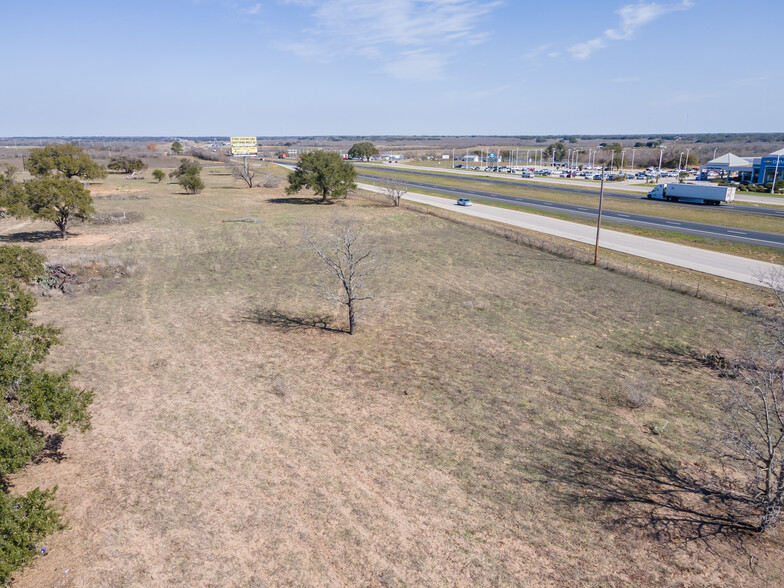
x,y
752,435
394,191
269,181
751,431
241,170
349,260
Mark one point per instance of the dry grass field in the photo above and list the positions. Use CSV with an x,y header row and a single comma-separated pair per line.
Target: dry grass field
x,y
476,431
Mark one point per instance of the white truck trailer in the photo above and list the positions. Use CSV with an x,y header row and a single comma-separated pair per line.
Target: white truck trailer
x,y
693,193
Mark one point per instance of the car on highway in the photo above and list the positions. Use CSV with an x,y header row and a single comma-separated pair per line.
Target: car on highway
x,y
463,202
528,174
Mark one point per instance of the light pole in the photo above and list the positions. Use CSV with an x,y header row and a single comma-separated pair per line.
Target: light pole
x,y
623,154
714,152
599,221
775,175
661,155
633,151
680,159
686,164
453,158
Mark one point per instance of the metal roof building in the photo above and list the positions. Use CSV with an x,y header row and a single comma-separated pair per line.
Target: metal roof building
x,y
760,170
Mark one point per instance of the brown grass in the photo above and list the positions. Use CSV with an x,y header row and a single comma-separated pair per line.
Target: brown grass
x,y
447,443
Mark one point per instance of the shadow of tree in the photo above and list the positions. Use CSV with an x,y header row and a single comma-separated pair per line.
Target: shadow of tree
x,y
635,488
668,355
31,236
290,321
52,449
300,201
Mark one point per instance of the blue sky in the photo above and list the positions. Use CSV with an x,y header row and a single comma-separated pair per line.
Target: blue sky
x,y
348,67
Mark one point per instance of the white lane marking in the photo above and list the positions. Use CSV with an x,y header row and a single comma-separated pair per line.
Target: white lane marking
x,y
736,232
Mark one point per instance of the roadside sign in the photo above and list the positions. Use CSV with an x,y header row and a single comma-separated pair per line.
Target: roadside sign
x,y
243,146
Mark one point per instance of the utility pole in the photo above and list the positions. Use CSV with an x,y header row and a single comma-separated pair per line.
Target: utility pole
x,y
775,175
599,222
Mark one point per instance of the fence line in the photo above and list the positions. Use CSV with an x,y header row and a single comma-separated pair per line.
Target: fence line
x,y
584,257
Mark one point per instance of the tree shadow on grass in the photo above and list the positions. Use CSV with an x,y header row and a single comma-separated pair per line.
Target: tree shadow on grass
x,y
668,355
52,450
31,237
631,487
299,201
290,321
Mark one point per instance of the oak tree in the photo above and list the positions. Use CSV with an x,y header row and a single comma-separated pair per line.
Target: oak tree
x,y
56,199
364,150
67,160
324,173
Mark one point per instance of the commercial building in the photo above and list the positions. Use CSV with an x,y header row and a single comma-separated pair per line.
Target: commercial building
x,y
757,170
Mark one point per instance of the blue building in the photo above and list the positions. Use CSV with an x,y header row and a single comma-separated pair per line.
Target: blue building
x,y
769,167
758,170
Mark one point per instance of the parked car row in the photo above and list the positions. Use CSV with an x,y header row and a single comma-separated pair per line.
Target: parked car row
x,y
587,172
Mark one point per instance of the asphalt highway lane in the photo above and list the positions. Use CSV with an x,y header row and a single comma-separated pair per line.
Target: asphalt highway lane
x,y
592,190
740,235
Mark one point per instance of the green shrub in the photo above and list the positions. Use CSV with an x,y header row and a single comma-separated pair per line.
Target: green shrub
x,y
19,443
20,263
24,522
52,398
29,394
192,184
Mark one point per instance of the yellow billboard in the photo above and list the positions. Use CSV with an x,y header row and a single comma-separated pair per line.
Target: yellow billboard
x,y
243,146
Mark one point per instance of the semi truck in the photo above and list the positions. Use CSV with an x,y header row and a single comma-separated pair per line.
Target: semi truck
x,y
693,193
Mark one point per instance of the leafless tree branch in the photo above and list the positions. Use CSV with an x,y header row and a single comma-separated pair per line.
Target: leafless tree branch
x,y
241,170
394,191
751,431
349,260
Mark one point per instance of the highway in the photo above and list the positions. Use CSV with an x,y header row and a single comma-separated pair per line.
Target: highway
x,y
611,187
610,190
740,235
742,269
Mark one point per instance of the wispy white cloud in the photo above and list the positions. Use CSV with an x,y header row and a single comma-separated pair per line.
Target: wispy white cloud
x,y
632,18
537,53
412,39
252,10
625,80
584,50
